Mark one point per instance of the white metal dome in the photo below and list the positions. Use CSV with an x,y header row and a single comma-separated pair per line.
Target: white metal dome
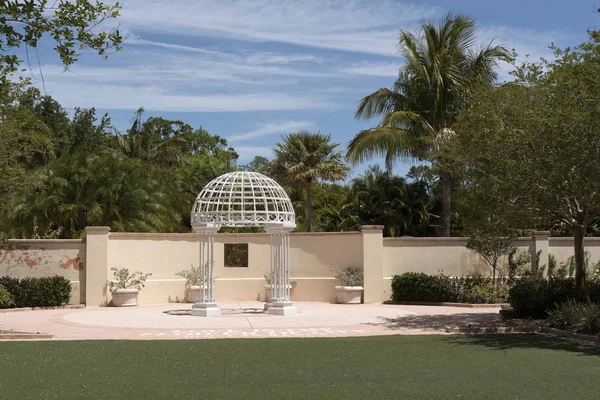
x,y
243,198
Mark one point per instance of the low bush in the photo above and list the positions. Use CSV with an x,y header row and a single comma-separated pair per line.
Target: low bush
x,y
574,316
417,286
5,298
533,297
349,276
38,292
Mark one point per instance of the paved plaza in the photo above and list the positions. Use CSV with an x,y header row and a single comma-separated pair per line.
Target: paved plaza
x,y
243,319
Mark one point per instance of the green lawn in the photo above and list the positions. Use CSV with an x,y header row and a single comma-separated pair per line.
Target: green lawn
x,y
388,367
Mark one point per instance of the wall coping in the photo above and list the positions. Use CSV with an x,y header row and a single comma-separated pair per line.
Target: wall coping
x,y
440,239
540,233
569,238
371,228
97,229
41,241
118,235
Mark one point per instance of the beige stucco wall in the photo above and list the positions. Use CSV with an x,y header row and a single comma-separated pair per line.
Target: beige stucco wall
x,y
312,255
432,255
44,258
562,248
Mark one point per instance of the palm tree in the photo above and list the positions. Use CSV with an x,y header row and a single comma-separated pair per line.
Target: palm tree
x,y
304,158
145,141
417,115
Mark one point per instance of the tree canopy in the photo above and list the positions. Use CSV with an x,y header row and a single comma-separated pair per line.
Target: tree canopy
x,y
529,148
417,115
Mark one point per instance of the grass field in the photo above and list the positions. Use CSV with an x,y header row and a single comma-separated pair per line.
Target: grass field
x,y
386,367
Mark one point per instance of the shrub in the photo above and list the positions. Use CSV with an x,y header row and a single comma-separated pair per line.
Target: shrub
x,y
193,276
574,316
474,289
5,298
124,280
349,276
417,286
38,292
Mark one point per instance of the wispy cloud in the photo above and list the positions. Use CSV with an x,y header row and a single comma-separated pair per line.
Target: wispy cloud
x,y
374,68
127,97
272,128
247,153
348,25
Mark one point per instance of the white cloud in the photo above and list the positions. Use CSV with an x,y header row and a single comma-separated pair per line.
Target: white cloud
x,y
374,68
272,128
349,25
247,153
127,97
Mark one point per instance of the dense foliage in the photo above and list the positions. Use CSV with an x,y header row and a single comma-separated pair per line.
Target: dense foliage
x,y
59,174
417,116
37,292
574,316
5,297
528,148
418,286
302,158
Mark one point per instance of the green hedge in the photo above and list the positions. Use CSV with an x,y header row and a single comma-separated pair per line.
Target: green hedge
x,y
417,286
5,298
37,292
532,297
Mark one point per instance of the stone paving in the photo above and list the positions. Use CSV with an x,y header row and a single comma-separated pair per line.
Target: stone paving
x,y
244,319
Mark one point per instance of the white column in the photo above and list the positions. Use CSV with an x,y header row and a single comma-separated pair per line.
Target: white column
x,y
206,306
280,256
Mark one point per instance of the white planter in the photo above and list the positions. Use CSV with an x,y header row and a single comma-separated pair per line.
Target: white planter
x,y
125,297
193,293
348,294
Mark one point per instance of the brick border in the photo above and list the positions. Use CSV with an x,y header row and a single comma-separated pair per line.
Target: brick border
x,y
494,329
444,304
67,307
25,336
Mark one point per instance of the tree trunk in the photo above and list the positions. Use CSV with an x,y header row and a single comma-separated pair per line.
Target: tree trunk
x,y
309,208
446,180
579,233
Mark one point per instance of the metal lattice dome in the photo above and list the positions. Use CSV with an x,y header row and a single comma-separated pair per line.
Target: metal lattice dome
x,y
243,198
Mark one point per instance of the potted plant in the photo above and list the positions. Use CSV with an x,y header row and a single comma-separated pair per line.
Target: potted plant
x,y
193,284
269,286
125,287
351,290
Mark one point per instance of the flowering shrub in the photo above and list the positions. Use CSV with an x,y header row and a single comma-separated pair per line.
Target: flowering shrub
x,y
124,280
349,276
193,276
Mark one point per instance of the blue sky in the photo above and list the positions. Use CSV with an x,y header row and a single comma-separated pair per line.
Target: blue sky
x,y
252,70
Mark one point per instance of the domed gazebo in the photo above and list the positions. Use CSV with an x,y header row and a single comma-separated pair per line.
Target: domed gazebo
x,y
244,199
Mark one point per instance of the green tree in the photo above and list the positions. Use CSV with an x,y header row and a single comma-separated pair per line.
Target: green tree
x,y
101,189
258,164
378,198
529,148
72,25
305,158
417,115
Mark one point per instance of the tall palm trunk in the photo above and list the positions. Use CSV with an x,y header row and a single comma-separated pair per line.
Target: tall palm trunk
x,y
309,207
446,181
578,234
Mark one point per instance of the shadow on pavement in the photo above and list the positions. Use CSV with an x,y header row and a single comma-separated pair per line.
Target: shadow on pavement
x,y
435,322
